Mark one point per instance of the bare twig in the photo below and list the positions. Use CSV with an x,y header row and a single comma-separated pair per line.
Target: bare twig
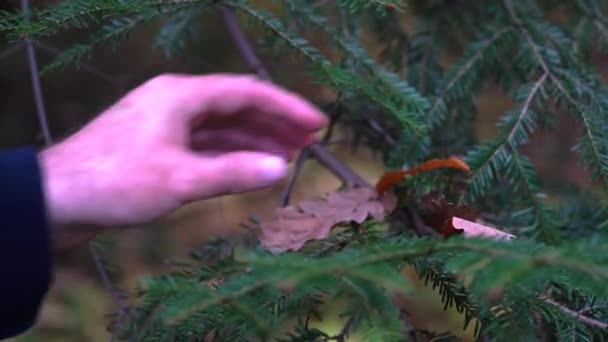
x,y
11,50
242,43
37,88
577,315
291,182
91,69
38,97
390,141
341,170
105,278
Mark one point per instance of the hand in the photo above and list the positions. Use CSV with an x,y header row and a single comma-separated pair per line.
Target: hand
x,y
171,141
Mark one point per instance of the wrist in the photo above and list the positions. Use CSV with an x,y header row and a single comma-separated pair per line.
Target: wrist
x,y
54,188
65,232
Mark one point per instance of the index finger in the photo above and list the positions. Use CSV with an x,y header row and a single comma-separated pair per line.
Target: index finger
x,y
225,94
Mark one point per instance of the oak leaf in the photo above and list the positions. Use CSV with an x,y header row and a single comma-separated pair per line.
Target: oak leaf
x,y
293,226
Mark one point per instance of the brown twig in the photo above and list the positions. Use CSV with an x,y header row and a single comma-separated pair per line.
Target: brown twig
x,y
390,141
91,69
36,86
291,182
11,50
577,315
242,43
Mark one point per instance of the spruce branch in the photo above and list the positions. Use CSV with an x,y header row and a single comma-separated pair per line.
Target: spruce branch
x,y
504,146
526,106
438,106
591,131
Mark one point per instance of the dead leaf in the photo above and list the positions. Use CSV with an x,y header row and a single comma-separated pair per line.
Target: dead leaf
x,y
293,226
393,177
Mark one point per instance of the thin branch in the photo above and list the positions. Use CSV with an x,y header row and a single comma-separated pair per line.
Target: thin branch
x,y
105,278
11,50
38,96
577,315
242,43
527,104
390,141
341,170
37,88
85,66
465,68
286,193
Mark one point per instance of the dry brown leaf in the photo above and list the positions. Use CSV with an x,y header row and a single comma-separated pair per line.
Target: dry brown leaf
x,y
293,226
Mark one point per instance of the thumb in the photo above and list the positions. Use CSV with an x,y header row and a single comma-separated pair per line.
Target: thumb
x,y
234,172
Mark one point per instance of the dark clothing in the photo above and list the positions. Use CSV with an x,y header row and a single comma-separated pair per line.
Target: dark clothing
x,y
25,247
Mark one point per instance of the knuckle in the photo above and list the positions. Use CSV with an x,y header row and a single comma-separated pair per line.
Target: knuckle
x,y
182,184
163,80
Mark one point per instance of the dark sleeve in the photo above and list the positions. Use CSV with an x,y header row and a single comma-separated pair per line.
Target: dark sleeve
x,y
25,251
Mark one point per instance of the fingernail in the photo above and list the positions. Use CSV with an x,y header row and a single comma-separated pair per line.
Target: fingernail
x,y
272,169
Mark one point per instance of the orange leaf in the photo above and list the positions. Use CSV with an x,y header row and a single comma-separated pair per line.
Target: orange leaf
x,y
393,177
452,162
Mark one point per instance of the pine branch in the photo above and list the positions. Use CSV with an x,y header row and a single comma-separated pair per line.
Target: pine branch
x,y
438,107
533,264
593,136
488,161
341,79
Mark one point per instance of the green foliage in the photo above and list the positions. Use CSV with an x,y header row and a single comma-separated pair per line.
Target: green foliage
x,y
258,291
414,99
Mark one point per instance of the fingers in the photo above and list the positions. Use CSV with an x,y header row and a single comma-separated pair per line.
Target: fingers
x,y
200,178
224,94
232,140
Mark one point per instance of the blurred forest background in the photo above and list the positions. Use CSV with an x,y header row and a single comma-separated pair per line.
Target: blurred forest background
x,y
77,305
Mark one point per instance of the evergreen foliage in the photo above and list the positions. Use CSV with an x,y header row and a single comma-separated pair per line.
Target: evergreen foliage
x,y
410,105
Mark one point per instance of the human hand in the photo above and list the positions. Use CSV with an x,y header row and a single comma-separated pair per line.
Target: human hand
x,y
173,140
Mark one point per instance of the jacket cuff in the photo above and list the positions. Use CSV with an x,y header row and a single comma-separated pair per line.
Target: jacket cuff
x,y
25,246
